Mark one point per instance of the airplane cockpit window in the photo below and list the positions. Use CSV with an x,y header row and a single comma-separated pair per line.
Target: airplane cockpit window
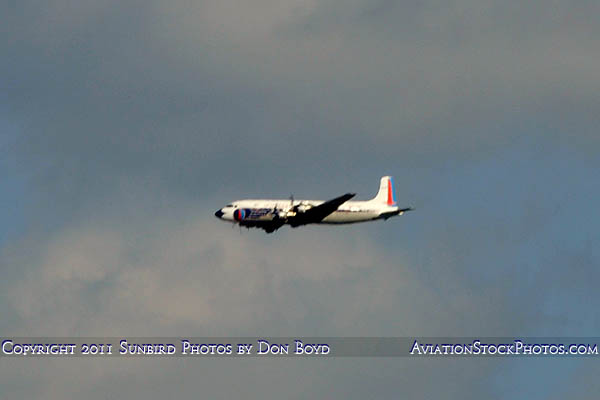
x,y
229,205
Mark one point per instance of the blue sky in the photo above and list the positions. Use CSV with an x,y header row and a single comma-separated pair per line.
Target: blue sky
x,y
125,126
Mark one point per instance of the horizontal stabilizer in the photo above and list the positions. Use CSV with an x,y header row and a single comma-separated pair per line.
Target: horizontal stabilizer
x,y
396,212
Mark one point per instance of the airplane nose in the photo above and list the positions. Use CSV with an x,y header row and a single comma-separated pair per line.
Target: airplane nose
x,y
219,214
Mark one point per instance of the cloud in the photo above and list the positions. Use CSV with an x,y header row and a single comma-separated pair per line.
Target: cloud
x,y
196,276
119,277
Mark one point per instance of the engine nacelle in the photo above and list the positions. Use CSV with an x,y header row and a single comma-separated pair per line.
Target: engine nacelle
x,y
303,207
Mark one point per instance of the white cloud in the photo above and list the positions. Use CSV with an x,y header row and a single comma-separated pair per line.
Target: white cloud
x,y
94,280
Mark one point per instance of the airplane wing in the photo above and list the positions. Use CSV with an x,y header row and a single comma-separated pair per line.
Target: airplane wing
x,y
316,214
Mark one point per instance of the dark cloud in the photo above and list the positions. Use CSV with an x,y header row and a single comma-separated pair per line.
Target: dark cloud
x,y
103,89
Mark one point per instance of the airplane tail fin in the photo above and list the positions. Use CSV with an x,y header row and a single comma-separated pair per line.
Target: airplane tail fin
x,y
386,193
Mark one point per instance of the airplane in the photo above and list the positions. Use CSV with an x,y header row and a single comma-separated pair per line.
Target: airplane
x,y
271,215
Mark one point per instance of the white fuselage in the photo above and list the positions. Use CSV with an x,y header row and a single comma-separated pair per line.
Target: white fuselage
x,y
347,213
272,214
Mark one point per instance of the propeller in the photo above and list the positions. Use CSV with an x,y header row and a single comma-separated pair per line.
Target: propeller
x,y
275,212
285,213
293,207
